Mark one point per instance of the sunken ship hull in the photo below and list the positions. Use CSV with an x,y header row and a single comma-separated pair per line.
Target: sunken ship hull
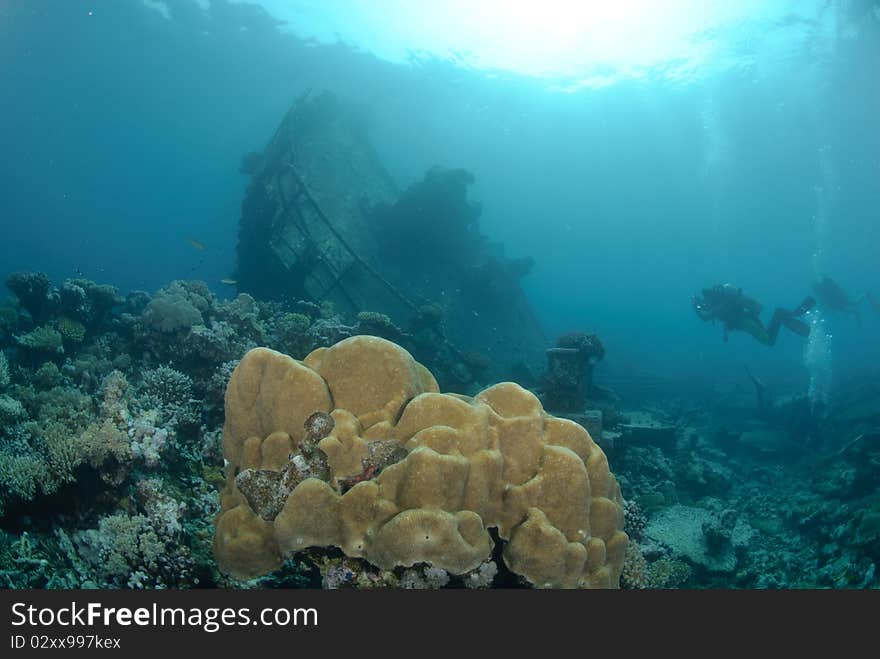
x,y
323,221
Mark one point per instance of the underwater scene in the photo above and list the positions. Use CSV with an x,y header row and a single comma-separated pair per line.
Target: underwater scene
x,y
461,294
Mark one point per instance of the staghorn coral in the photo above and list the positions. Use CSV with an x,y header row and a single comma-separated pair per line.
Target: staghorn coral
x,y
495,460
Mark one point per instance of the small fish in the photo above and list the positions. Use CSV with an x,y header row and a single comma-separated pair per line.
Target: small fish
x,y
197,244
229,282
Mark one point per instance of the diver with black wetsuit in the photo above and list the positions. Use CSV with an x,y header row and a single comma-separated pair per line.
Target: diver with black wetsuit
x,y
738,311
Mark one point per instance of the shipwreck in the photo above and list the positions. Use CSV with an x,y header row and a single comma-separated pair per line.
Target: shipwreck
x,y
323,221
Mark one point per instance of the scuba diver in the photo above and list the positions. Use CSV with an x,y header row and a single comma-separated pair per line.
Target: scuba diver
x,y
737,311
832,296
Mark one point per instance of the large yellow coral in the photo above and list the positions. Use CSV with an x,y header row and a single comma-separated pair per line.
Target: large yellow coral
x,y
462,465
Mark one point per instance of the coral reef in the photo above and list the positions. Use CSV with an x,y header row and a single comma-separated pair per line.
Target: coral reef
x,y
4,371
178,306
33,291
463,465
43,339
112,460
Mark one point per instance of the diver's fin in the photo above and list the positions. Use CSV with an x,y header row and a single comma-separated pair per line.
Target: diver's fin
x,y
797,326
808,303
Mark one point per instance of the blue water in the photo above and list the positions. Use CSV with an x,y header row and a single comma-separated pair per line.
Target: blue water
x,y
122,125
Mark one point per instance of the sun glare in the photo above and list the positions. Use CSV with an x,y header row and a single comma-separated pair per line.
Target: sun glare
x,y
566,41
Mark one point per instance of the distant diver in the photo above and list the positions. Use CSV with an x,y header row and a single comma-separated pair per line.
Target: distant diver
x,y
737,311
796,414
832,296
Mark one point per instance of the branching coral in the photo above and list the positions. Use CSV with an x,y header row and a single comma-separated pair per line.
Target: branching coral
x,y
244,314
147,439
97,300
33,290
635,569
171,393
217,342
103,440
129,550
47,452
169,313
11,411
292,334
634,520
66,405
178,306
167,386
47,376
19,476
42,339
5,378
378,324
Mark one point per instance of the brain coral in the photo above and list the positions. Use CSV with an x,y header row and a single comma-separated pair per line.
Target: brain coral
x,y
460,465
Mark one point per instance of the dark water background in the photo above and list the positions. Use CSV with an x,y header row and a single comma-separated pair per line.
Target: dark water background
x,y
122,131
